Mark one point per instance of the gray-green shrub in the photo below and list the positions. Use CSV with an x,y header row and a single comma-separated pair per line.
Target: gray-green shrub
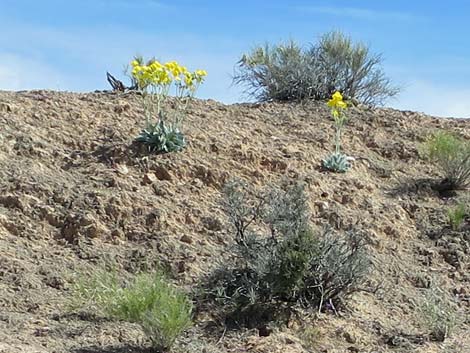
x,y
149,300
451,154
288,72
278,259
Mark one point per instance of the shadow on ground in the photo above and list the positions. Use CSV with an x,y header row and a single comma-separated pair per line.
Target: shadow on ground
x,y
114,349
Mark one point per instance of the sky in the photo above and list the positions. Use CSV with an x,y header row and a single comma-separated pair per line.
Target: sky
x,y
70,44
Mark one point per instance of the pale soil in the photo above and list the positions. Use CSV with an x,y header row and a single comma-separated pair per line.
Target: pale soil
x,y
74,193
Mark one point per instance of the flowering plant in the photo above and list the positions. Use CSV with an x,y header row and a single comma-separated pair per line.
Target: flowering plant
x,y
338,106
337,161
155,81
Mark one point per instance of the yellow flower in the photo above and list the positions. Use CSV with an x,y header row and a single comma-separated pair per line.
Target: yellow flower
x,y
336,101
188,79
201,73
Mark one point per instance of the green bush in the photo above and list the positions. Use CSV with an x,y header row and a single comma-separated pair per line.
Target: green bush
x,y
149,300
457,215
451,154
287,72
287,263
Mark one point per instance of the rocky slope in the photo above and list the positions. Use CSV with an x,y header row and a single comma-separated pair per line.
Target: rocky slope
x,y
74,194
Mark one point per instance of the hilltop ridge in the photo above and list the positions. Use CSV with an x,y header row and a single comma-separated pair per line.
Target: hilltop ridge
x,y
75,192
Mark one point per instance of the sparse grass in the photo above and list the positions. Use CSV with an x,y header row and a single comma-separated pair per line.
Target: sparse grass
x,y
457,215
149,300
438,314
310,336
451,154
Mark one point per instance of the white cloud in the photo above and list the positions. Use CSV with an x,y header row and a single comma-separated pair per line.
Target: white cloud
x,y
361,13
435,99
83,55
19,73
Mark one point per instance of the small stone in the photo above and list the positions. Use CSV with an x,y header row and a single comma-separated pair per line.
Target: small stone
x,y
345,199
121,107
349,337
212,223
122,169
149,178
4,107
11,201
162,173
264,331
186,239
322,206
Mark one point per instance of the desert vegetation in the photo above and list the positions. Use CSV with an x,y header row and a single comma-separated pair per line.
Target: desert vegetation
x,y
155,81
452,154
148,299
288,263
236,235
288,72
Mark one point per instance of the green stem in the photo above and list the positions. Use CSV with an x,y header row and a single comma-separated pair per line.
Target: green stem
x,y
338,139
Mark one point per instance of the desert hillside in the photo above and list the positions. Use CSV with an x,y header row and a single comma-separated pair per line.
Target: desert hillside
x,y
75,193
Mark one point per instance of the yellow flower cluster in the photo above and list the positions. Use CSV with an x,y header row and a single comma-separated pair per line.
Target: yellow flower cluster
x,y
158,74
336,101
337,104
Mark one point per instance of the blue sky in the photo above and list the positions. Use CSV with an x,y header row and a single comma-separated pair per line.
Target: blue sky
x,y
69,45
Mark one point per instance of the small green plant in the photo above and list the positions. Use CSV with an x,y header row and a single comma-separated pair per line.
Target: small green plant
x,y
438,314
162,138
287,264
457,216
337,161
149,300
451,154
288,72
155,81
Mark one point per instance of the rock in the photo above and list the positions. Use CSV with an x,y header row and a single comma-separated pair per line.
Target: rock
x,y
122,169
4,107
155,219
345,199
82,225
349,337
212,223
162,173
149,178
208,176
186,239
322,206
11,201
452,257
121,107
49,214
264,331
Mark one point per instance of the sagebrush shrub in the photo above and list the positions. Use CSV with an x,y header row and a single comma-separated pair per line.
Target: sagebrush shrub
x,y
287,72
278,259
451,154
149,300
